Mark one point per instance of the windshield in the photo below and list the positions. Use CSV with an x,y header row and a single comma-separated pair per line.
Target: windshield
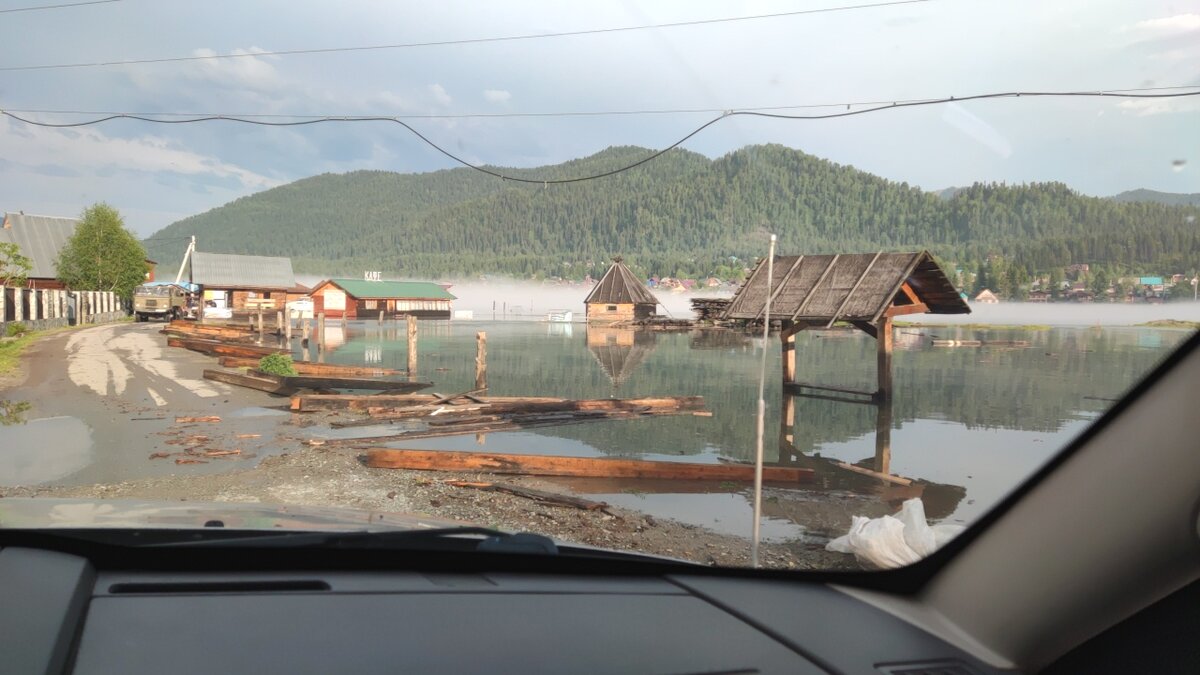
x,y
793,285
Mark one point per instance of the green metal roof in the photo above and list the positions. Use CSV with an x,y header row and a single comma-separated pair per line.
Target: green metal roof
x,y
418,290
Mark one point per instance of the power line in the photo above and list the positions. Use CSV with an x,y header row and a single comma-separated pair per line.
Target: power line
x,y
537,114
465,41
652,156
35,8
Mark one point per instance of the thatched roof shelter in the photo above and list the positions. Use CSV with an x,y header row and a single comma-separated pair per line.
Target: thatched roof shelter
x,y
619,286
858,287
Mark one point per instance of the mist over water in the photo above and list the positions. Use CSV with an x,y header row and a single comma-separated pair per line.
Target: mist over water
x,y
533,300
1066,314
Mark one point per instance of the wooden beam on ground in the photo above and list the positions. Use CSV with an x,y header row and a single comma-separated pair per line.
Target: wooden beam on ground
x,y
268,383
222,348
549,465
536,495
310,368
398,401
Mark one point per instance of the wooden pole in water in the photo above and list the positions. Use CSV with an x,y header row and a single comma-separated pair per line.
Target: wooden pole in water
x,y
287,330
321,331
381,317
412,345
883,436
481,360
787,338
260,323
883,357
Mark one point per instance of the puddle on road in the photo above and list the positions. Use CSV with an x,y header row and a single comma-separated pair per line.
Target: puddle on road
x,y
256,411
42,450
725,513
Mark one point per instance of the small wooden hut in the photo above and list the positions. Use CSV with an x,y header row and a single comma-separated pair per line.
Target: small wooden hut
x,y
866,290
620,296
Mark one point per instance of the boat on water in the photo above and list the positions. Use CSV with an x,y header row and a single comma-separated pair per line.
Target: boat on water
x,y
560,316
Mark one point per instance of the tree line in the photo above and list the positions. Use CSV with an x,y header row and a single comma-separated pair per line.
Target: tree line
x,y
683,215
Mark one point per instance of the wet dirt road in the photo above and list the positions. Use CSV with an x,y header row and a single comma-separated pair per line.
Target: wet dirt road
x,y
103,399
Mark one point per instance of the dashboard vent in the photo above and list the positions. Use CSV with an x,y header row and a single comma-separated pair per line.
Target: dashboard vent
x,y
928,668
174,587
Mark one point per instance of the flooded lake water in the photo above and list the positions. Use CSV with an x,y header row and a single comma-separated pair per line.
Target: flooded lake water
x,y
967,424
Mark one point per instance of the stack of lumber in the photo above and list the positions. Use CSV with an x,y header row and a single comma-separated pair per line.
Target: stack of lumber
x,y
450,416
310,368
218,347
709,309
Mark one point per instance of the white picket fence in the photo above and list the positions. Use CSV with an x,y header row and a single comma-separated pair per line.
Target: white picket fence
x,y
39,309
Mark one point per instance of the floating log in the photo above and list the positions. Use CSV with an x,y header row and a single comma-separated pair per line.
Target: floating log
x,y
536,495
981,343
550,465
310,368
223,348
366,401
490,425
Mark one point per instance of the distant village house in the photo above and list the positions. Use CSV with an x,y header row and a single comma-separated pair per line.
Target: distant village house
x,y
41,239
619,296
363,299
987,297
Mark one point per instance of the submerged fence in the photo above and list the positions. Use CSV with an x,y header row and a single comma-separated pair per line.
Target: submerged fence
x,y
39,309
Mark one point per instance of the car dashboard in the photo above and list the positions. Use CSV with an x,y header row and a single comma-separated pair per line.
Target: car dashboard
x,y
60,613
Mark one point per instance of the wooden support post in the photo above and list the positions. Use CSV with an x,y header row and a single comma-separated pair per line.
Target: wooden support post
x,y
883,436
381,317
481,361
320,332
787,338
412,345
33,305
883,361
787,418
260,323
18,304
287,328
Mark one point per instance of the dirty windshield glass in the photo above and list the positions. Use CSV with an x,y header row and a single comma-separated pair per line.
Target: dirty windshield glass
x,y
803,285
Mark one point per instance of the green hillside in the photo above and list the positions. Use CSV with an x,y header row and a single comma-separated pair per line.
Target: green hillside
x,y
682,214
1168,198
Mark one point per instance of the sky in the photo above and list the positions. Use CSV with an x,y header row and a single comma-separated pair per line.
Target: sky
x,y
157,174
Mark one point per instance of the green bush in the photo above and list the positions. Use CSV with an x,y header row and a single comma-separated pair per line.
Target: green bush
x,y
17,329
277,364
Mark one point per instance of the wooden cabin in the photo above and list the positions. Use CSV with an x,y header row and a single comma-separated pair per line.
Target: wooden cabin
x,y
986,297
865,290
619,296
244,282
363,299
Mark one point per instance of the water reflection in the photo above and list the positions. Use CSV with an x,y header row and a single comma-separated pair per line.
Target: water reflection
x,y
965,423
619,350
13,412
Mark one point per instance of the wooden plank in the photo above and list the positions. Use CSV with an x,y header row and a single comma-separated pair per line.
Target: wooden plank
x,y
868,328
269,384
536,495
310,368
202,418
550,465
222,348
335,382
902,310
898,480
480,361
398,401
465,394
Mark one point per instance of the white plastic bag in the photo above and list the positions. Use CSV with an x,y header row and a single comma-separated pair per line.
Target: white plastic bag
x,y
894,541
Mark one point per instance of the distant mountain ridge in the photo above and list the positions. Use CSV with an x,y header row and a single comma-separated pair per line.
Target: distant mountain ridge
x,y
1167,198
680,215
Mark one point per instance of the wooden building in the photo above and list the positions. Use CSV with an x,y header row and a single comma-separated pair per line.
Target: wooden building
x,y
987,297
241,282
620,296
362,299
42,239
865,290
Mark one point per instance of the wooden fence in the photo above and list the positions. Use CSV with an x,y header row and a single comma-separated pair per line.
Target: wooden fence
x,y
39,309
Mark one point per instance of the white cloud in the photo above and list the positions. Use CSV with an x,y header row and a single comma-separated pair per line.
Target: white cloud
x,y
1159,106
497,95
89,150
1179,23
440,95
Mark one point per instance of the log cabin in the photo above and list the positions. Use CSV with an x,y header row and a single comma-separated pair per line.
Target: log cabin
x,y
365,299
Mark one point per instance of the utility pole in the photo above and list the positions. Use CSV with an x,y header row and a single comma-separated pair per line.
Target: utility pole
x,y
186,255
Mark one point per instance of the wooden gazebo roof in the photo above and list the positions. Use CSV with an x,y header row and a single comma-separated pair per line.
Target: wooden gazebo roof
x,y
619,286
858,287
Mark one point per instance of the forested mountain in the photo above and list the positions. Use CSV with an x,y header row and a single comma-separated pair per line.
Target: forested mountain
x,y
1168,198
680,215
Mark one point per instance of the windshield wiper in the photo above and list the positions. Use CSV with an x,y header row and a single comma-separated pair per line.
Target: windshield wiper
x,y
456,538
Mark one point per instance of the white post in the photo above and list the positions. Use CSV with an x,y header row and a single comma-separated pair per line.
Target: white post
x,y
46,296
19,305
762,411
3,297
